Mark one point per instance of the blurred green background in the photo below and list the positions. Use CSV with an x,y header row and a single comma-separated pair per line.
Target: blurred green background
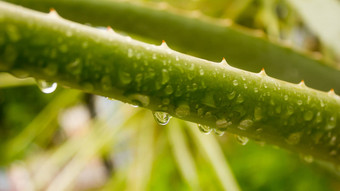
x,y
69,140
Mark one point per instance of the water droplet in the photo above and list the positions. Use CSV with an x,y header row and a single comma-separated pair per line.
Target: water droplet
x,y
331,122
13,33
308,158
245,124
106,82
162,118
239,99
318,117
223,124
333,152
63,48
166,101
290,110
125,77
256,90
168,90
46,87
139,100
285,97
130,52
69,33
231,95
299,102
278,109
208,100
218,132
182,110
241,140
308,115
85,44
165,76
333,141
204,128
235,82
201,72
294,138
258,113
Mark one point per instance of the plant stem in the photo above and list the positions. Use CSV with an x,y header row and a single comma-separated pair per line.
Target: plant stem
x,y
48,47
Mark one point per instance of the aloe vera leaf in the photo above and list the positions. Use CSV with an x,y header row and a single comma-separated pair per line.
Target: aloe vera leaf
x,y
48,47
200,36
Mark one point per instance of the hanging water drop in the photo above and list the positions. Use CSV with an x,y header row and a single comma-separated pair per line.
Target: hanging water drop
x,y
204,128
241,140
219,132
162,118
46,87
139,100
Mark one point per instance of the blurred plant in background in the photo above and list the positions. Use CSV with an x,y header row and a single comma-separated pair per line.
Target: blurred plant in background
x,y
70,140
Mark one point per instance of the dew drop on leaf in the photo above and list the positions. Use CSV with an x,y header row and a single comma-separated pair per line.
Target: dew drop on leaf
x,y
331,122
245,124
223,124
204,128
235,82
307,158
241,139
258,113
182,110
294,138
46,87
308,115
165,76
219,132
139,100
162,118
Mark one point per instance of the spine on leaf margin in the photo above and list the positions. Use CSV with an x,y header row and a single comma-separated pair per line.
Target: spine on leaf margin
x,y
255,105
